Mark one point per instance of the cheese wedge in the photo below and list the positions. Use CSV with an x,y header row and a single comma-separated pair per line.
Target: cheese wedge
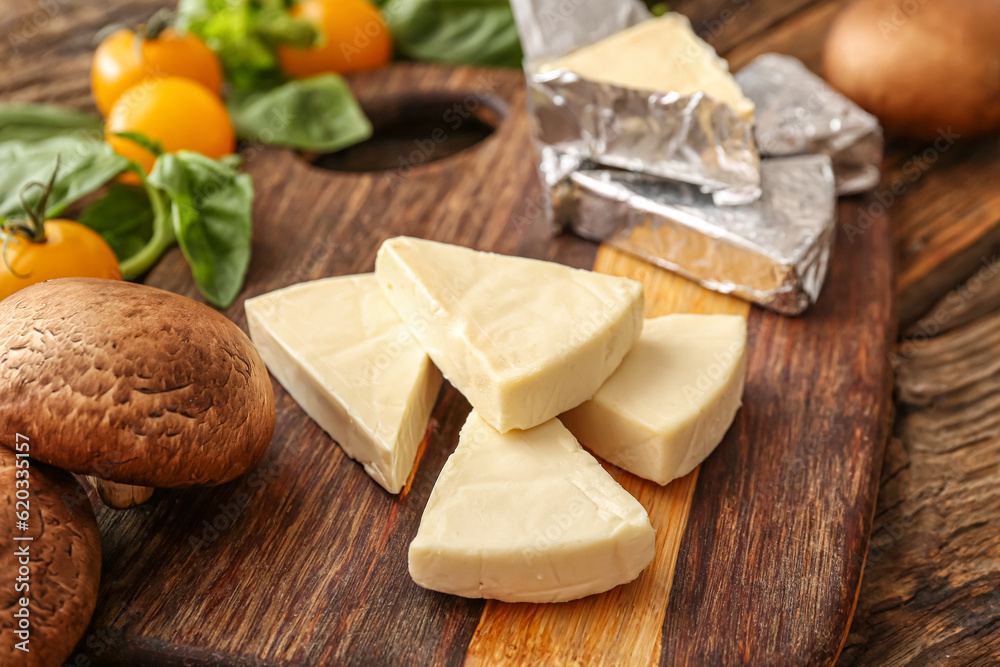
x,y
527,516
662,55
522,339
340,350
672,400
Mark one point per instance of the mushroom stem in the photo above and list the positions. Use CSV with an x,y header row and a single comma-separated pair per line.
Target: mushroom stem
x,y
121,496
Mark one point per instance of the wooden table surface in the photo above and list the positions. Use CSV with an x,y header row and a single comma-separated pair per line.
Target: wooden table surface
x,y
931,588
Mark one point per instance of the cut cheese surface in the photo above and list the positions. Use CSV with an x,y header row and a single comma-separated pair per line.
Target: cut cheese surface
x,y
528,516
340,350
672,399
663,55
522,339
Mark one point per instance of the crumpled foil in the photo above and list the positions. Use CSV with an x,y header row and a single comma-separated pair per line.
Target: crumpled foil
x,y
773,251
797,112
636,170
690,138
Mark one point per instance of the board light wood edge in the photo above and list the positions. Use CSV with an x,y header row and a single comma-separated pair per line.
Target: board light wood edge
x,y
595,629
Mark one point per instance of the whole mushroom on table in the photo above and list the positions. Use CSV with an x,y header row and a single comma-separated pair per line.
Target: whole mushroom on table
x,y
53,567
926,69
130,385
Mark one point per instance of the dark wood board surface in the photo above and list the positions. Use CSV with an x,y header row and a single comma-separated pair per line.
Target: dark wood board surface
x,y
51,66
306,562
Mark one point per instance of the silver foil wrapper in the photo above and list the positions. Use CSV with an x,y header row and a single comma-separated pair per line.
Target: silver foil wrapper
x,y
690,138
797,113
773,251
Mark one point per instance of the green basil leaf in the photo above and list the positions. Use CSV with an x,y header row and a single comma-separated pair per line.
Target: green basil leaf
x,y
210,205
123,217
151,145
33,122
461,32
317,114
86,163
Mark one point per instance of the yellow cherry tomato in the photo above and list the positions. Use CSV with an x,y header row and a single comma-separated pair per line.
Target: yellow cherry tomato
x,y
355,38
70,250
120,63
177,113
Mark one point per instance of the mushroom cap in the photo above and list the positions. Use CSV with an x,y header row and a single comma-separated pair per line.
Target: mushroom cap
x,y
64,562
131,384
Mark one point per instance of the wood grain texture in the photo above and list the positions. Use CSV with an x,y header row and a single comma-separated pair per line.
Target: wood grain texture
x,y
946,199
931,593
177,593
329,547
810,440
945,210
974,298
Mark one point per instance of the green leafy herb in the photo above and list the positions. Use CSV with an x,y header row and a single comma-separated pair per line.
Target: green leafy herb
x,y
191,200
317,114
210,205
33,122
123,217
245,34
466,32
87,163
200,203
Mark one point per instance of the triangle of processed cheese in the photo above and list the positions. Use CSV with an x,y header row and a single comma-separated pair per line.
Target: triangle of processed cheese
x,y
522,339
672,400
673,59
528,516
341,352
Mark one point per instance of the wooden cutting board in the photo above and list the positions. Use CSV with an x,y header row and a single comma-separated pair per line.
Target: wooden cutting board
x,y
303,561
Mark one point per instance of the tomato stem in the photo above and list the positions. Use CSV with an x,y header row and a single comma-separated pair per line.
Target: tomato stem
x,y
32,228
157,23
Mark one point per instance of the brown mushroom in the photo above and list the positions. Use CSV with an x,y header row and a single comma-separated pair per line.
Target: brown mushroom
x,y
926,68
52,571
131,385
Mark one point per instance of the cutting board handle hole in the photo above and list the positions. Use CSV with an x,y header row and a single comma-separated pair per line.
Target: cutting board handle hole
x,y
412,131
